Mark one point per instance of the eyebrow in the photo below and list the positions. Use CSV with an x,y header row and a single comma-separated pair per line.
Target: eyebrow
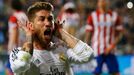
x,y
45,16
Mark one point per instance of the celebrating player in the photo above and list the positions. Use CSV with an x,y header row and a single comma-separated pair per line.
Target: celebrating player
x,y
40,54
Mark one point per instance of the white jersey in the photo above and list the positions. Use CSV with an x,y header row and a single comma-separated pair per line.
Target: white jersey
x,y
55,61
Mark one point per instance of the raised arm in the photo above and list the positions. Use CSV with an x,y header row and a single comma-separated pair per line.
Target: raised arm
x,y
79,51
20,57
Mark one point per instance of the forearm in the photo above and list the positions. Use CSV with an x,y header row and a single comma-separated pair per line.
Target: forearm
x,y
118,38
67,38
28,45
80,51
87,37
112,45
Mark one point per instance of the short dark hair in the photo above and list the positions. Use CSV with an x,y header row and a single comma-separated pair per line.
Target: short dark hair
x,y
37,7
16,4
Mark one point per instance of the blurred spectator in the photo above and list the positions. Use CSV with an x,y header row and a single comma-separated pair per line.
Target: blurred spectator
x,y
129,34
126,43
2,37
70,17
16,35
104,26
3,27
1,6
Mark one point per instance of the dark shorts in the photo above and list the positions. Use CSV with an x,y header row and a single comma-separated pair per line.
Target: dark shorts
x,y
111,62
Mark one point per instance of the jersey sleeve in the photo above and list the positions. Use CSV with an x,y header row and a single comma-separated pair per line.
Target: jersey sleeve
x,y
12,23
80,53
19,60
89,26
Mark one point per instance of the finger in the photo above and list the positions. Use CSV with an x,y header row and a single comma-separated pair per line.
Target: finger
x,y
64,22
27,23
20,24
57,21
60,24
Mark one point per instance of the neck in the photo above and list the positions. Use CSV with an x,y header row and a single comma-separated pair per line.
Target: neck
x,y
40,46
102,10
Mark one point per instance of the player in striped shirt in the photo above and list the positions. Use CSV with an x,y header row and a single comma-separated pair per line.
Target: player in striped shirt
x,y
104,26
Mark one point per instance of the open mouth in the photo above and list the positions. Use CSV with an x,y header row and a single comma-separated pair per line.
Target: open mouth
x,y
47,32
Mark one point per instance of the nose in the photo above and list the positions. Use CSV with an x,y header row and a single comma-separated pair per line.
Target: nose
x,y
47,23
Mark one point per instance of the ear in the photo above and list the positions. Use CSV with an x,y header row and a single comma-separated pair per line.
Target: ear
x,y
31,25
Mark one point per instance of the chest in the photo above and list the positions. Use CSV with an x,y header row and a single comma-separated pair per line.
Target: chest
x,y
104,20
49,62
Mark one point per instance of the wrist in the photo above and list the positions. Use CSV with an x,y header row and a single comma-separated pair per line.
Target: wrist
x,y
29,38
60,30
28,47
63,34
60,33
28,34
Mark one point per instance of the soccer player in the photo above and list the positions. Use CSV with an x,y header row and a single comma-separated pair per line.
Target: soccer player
x,y
16,35
104,26
40,54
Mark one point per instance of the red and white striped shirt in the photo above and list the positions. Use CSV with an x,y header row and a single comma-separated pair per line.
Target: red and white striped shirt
x,y
12,25
103,28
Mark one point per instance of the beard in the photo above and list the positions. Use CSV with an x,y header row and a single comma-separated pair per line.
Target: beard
x,y
42,39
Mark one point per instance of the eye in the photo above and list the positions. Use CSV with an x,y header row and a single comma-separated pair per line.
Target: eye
x,y
41,18
50,18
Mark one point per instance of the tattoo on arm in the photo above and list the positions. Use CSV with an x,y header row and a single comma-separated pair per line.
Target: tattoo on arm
x,y
69,39
28,46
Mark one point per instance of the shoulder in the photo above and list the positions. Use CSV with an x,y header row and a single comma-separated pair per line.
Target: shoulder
x,y
17,54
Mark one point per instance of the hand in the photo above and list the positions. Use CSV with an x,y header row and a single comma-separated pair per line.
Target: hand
x,y
27,27
108,50
28,47
58,28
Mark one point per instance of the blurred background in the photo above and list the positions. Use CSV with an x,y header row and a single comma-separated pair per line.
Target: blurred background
x,y
124,49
